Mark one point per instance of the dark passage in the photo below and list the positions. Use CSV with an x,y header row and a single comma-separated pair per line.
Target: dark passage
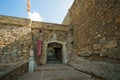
x,y
54,53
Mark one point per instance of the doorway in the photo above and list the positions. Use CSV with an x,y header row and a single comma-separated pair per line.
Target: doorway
x,y
54,53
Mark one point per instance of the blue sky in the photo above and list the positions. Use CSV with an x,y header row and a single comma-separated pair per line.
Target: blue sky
x,y
50,10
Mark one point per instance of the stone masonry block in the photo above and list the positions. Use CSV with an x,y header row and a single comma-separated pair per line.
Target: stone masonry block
x,y
117,20
85,53
103,53
114,53
110,44
96,46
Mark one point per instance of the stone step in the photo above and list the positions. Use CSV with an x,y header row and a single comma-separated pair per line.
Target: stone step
x,y
56,75
64,75
54,62
51,67
56,72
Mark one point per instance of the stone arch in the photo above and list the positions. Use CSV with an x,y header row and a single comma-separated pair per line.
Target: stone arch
x,y
64,51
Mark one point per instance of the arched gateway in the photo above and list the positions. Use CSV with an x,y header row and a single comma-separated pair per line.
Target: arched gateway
x,y
54,52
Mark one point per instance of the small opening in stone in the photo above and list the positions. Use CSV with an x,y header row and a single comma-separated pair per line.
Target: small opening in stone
x,y
40,31
22,44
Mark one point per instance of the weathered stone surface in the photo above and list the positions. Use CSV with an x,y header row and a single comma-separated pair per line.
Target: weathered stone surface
x,y
56,72
85,53
103,53
114,53
96,46
12,36
117,20
102,40
93,25
96,53
111,44
106,70
13,71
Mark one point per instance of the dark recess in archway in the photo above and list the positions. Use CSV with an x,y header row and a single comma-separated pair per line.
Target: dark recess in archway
x,y
54,53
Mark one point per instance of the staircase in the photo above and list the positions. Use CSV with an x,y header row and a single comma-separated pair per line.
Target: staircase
x,y
55,72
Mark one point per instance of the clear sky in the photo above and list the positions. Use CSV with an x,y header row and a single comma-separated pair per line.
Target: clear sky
x,y
50,10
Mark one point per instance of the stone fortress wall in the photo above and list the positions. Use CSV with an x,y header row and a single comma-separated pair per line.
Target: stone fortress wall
x,y
15,40
18,38
96,35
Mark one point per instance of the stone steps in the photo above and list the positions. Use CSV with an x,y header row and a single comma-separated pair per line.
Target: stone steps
x,y
52,67
55,72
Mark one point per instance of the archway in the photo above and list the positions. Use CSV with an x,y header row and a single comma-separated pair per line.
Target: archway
x,y
64,51
54,53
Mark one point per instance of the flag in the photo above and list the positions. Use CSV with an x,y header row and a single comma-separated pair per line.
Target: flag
x,y
28,5
39,44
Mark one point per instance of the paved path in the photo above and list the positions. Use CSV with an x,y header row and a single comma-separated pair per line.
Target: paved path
x,y
55,72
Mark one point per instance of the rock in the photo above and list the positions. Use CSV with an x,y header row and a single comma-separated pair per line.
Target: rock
x,y
103,53
24,51
21,58
15,50
117,20
96,53
114,53
102,40
19,52
111,44
1,42
1,53
96,46
108,71
15,54
85,53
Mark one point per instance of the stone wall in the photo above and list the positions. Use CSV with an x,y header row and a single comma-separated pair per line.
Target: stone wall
x,y
18,38
15,72
15,47
96,35
48,33
15,43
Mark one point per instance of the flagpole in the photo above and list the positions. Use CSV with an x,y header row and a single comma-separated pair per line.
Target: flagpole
x,y
28,10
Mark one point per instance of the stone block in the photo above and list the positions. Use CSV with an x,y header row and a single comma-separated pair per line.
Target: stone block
x,y
106,70
85,53
88,48
114,53
96,46
103,53
118,42
24,51
1,42
102,40
117,20
97,53
110,44
1,53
